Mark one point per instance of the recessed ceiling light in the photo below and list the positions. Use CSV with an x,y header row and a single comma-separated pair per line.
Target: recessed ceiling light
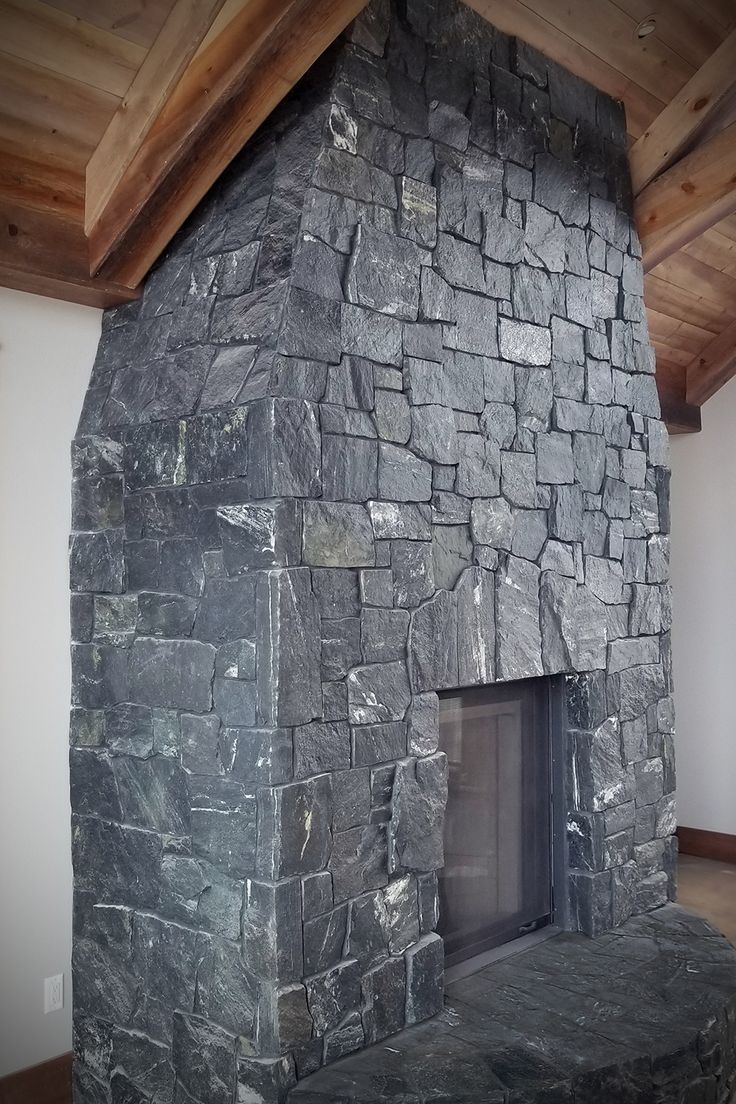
x,y
646,27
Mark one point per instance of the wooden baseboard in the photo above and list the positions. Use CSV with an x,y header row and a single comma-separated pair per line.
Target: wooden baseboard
x,y
48,1083
707,845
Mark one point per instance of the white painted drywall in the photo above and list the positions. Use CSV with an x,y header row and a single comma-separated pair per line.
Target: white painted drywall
x,y
46,354
704,616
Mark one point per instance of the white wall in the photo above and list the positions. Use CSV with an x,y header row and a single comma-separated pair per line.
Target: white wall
x,y
704,622
46,353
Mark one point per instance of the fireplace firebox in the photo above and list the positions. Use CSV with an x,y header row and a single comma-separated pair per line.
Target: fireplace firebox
x,y
497,882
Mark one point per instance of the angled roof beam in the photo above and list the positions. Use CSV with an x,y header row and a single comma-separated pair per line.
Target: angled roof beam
x,y
688,198
176,43
685,116
712,367
228,89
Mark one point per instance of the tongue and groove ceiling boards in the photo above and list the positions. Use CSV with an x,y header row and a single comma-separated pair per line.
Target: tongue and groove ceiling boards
x,y
116,116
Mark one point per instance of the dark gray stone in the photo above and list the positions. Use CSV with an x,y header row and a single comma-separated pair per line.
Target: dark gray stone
x,y
378,692
419,799
172,674
402,476
433,653
358,861
337,535
424,977
518,640
260,535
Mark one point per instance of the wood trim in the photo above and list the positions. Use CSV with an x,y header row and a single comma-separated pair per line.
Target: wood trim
x,y
225,94
684,116
688,198
176,43
718,846
712,367
47,1083
46,253
678,415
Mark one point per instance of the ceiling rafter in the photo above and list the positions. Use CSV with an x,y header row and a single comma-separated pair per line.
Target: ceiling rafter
x,y
685,115
688,198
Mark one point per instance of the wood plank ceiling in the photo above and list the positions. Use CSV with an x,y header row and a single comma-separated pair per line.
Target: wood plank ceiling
x,y
116,116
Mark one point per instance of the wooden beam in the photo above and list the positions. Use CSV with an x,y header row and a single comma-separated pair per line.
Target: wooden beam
x,y
711,368
45,252
54,40
176,43
226,92
678,415
688,198
685,115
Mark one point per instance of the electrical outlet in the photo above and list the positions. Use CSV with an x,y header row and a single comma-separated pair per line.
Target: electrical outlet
x,y
53,993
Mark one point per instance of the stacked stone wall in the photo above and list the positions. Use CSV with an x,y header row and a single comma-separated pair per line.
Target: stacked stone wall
x,y
383,423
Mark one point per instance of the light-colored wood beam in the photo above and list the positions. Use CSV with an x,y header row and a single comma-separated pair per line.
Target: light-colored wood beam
x,y
176,43
684,116
54,40
713,367
688,198
226,92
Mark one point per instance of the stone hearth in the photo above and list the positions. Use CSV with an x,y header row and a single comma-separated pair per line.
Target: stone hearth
x,y
643,1015
384,423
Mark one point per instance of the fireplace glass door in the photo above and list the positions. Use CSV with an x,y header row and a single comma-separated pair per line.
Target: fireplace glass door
x,y
497,880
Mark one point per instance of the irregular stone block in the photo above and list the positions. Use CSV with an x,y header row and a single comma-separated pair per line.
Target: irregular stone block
x,y
260,535
476,627
284,449
378,692
172,674
452,553
573,626
523,343
378,743
393,417
518,640
479,467
424,979
153,793
204,1057
341,648
100,675
359,860
320,747
433,652
288,647
96,561
402,476
417,817
118,864
383,634
227,610
413,572
384,998
350,468
272,930
399,521
294,823
352,798
424,724
383,273
433,434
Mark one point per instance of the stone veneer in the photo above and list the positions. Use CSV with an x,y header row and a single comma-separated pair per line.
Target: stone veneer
x,y
384,422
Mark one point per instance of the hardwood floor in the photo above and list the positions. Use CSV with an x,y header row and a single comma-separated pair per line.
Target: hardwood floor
x,y
709,888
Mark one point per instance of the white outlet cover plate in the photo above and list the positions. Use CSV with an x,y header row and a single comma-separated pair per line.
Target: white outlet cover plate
x,y
53,993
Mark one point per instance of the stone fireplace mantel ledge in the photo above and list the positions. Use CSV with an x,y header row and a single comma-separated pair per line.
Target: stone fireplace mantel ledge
x,y
646,1013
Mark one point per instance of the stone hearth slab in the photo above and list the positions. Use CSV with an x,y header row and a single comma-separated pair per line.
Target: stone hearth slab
x,y
646,1013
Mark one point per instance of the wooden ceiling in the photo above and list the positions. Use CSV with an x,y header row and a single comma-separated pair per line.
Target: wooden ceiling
x,y
116,116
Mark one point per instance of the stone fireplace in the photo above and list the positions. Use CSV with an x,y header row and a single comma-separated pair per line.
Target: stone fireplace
x,y
383,427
